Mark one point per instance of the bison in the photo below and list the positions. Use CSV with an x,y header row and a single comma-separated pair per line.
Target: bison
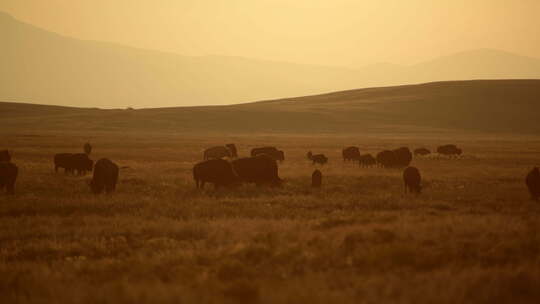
x,y
78,162
215,171
317,158
449,150
5,156
350,153
533,183
8,176
216,153
386,159
261,169
62,160
412,179
403,157
397,158
105,176
273,152
421,152
81,163
366,160
316,179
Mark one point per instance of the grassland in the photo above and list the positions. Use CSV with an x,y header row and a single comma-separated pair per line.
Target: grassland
x,y
473,236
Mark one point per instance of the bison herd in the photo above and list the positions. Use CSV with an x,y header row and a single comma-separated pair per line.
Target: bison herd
x,y
260,168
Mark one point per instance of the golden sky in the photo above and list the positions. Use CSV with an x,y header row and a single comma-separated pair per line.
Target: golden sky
x,y
329,32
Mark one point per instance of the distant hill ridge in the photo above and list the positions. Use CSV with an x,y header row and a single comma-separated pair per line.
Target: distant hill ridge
x,y
506,106
43,67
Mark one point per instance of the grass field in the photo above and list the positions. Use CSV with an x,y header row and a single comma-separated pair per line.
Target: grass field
x,y
472,236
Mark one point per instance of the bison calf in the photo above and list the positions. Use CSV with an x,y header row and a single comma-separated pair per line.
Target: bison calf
x,y
316,179
412,179
533,183
105,176
8,176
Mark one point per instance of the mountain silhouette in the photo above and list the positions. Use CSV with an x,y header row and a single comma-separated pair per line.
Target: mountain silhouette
x,y
47,68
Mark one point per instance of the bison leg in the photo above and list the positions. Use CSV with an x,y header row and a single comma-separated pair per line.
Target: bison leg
x,y
11,188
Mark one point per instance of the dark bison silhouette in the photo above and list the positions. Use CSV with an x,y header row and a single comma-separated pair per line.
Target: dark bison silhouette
x,y
386,159
5,156
273,152
316,179
366,160
105,176
403,157
232,150
350,153
533,183
261,169
317,158
8,176
87,148
412,179
421,152
216,153
73,163
449,150
397,158
215,171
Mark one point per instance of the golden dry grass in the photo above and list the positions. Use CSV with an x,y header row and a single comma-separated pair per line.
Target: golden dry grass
x,y
473,236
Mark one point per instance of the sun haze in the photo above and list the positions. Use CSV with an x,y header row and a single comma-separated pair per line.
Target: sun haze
x,y
325,32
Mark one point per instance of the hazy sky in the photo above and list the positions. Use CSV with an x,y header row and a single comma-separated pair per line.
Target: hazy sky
x,y
329,32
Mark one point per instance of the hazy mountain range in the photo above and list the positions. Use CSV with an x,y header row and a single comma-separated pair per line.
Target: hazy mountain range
x,y
43,67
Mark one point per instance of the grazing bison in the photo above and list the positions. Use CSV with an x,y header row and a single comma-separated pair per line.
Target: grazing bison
x,y
421,152
232,150
87,148
105,176
81,163
350,153
273,152
403,157
366,160
316,179
216,153
8,176
412,179
450,150
317,158
78,162
533,183
261,169
63,160
386,159
215,171
5,156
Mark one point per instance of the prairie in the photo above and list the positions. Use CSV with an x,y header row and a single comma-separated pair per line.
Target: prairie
x,y
472,236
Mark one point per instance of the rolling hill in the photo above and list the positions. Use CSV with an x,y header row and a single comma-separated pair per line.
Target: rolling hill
x,y
499,106
46,68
